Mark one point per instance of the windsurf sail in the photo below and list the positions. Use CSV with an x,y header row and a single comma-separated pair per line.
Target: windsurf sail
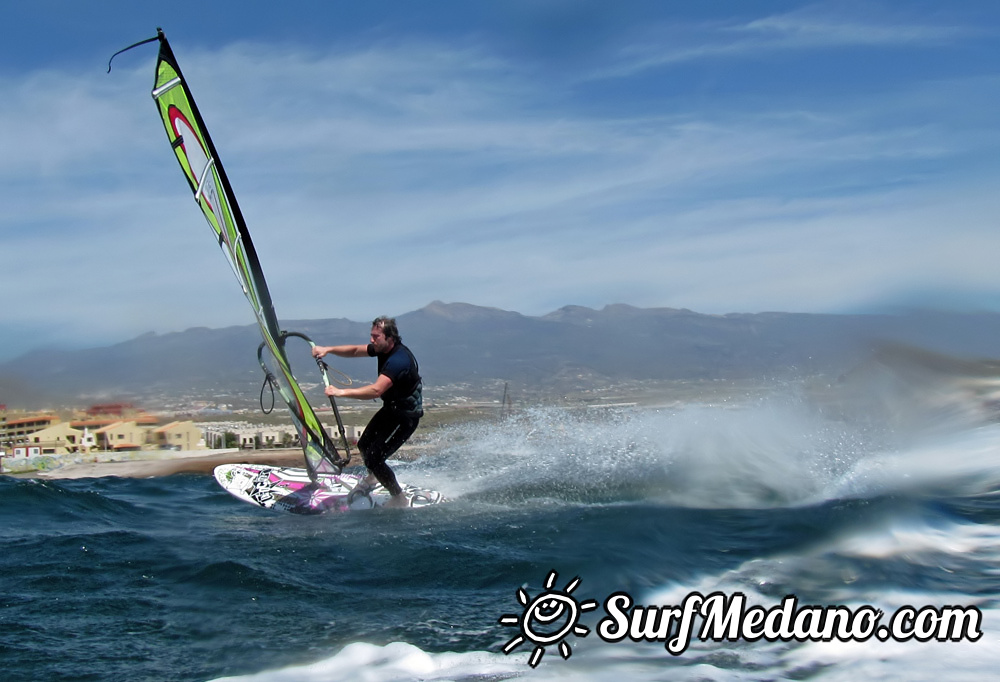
x,y
204,172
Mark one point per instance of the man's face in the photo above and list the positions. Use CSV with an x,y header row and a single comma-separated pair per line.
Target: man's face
x,y
379,340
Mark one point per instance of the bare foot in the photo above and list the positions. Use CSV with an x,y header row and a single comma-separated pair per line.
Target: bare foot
x,y
397,501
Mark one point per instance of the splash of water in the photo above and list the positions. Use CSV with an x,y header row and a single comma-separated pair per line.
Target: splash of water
x,y
764,453
894,423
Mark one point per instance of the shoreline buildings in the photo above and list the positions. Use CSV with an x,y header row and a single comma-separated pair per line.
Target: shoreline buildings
x,y
120,427
113,427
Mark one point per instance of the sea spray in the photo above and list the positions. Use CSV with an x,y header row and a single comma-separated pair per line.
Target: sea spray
x,y
768,452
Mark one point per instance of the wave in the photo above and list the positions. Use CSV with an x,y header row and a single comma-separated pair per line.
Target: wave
x,y
642,662
866,564
34,501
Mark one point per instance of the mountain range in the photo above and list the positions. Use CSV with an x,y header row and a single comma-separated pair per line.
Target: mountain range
x,y
476,349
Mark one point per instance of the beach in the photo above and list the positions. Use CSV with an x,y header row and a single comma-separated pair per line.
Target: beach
x,y
186,463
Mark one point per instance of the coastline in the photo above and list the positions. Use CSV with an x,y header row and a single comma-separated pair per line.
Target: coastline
x,y
148,468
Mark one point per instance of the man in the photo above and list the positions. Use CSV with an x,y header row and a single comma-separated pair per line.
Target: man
x,y
399,386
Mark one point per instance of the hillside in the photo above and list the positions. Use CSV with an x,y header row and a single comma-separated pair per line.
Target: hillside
x,y
475,349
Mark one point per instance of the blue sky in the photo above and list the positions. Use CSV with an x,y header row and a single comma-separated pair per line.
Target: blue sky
x,y
718,156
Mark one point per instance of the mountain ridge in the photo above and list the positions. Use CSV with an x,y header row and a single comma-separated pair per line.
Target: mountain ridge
x,y
478,346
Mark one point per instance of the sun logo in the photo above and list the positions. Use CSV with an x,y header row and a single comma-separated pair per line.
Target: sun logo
x,y
547,619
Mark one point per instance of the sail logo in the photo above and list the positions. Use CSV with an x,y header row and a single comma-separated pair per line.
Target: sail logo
x,y
548,619
198,164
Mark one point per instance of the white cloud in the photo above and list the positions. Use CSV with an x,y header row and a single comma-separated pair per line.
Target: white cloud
x,y
828,24
812,27
380,179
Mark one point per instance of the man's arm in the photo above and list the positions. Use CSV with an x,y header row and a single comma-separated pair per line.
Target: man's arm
x,y
369,392
350,351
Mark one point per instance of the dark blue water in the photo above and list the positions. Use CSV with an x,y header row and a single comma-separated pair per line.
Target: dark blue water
x,y
172,579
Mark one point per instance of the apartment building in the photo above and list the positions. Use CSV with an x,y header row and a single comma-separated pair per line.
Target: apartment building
x,y
46,434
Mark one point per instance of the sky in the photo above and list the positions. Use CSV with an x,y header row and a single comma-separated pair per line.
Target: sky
x,y
824,157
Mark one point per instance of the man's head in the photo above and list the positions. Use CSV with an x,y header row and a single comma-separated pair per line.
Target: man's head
x,y
385,334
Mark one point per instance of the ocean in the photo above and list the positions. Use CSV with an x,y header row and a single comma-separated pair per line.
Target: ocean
x,y
562,525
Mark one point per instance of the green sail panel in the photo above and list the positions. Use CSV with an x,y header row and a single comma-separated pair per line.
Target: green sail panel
x,y
204,172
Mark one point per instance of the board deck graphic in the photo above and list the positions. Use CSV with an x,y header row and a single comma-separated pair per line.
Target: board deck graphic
x,y
291,490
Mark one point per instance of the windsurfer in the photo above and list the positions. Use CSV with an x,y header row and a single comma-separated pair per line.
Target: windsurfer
x,y
399,386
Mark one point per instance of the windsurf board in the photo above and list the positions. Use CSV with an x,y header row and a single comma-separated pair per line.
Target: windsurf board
x,y
291,490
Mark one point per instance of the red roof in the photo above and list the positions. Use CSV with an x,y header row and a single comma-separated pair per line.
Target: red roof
x,y
28,420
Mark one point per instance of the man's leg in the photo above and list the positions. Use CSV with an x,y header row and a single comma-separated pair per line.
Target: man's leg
x,y
385,433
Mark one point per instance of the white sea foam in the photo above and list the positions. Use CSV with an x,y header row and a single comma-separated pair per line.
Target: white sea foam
x,y
596,661
395,662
